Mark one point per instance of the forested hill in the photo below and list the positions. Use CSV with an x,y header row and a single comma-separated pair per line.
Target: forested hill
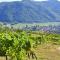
x,y
30,11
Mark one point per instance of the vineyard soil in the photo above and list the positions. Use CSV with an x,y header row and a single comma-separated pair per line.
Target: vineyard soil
x,y
46,52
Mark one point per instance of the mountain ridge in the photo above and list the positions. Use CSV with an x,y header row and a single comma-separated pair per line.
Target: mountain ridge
x,y
31,12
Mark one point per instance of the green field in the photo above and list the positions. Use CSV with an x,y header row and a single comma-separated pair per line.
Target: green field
x,y
29,45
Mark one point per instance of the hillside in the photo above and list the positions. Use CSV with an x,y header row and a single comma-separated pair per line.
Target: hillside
x,y
29,11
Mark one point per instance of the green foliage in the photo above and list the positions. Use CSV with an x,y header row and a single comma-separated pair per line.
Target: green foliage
x,y
15,44
19,45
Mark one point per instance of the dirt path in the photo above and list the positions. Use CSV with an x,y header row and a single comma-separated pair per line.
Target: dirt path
x,y
48,52
2,58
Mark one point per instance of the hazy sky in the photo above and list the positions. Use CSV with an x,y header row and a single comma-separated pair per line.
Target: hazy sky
x,y
40,0
8,0
19,0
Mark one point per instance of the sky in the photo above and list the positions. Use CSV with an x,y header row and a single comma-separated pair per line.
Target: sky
x,y
8,0
40,0
19,0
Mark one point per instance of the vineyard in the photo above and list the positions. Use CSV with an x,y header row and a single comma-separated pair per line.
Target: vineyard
x,y
21,45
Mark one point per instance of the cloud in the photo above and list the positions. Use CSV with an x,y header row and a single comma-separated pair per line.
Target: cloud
x,y
40,0
18,0
58,0
8,0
